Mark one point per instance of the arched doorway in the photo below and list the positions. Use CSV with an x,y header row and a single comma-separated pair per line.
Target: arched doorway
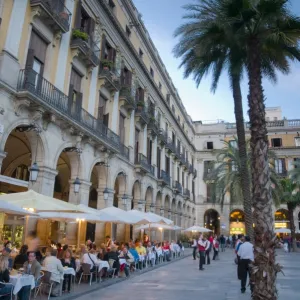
x,y
212,221
148,198
237,222
282,219
93,197
23,147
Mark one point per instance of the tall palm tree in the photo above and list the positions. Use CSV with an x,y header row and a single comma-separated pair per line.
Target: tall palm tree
x,y
206,45
295,172
291,197
253,26
226,176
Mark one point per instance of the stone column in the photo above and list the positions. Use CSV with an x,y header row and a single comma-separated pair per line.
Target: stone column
x,y
115,113
2,156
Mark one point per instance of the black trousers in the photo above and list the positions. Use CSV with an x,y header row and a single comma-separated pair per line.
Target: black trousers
x,y
215,254
244,270
67,280
207,255
201,259
194,252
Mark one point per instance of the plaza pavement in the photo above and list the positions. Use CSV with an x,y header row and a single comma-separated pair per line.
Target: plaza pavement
x,y
182,280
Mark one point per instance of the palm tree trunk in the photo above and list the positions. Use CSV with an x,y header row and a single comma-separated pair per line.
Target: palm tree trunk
x,y
264,277
245,176
292,227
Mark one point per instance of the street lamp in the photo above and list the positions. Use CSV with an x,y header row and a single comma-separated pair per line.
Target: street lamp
x,y
77,184
34,171
105,194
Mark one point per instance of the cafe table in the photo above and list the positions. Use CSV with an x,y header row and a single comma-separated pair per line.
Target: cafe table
x,y
20,280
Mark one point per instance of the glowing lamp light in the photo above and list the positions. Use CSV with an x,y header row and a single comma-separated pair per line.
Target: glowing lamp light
x,y
77,184
34,171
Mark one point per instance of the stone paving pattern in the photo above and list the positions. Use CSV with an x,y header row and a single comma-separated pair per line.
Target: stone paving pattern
x,y
182,280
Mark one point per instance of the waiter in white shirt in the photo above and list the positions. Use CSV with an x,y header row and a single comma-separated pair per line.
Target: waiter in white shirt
x,y
246,255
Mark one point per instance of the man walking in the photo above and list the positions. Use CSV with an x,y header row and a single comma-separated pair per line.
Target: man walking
x,y
194,246
207,250
246,257
202,244
222,242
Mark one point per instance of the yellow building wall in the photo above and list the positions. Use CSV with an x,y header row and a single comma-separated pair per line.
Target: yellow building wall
x,y
288,140
6,13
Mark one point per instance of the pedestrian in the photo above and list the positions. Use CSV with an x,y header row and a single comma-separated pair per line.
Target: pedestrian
x,y
246,256
222,242
216,248
207,251
202,243
194,246
233,239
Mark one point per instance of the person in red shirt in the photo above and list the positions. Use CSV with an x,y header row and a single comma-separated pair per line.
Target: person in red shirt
x,y
166,250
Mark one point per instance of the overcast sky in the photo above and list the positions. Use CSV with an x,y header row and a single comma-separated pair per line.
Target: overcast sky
x,y
161,17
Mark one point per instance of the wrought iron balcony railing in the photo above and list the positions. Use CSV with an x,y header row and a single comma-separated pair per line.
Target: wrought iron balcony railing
x,y
163,136
111,80
55,13
177,187
124,151
142,161
126,97
89,52
48,96
142,114
165,177
170,146
153,126
187,193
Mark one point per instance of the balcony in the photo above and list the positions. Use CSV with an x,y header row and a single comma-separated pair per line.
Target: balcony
x,y
164,178
153,126
187,193
33,86
162,136
124,151
88,51
142,165
170,146
109,79
141,115
177,187
126,98
282,174
177,153
54,13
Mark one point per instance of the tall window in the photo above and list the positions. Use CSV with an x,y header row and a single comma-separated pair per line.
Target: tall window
x,y
277,142
168,165
183,179
107,51
84,22
36,56
137,137
158,157
126,77
102,115
149,151
280,165
75,96
151,72
297,141
122,128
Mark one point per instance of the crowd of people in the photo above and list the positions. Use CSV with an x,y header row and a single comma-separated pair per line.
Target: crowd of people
x,y
123,259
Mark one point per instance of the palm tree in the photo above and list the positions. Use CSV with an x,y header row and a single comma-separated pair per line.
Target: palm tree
x,y
206,45
253,27
291,197
295,172
226,176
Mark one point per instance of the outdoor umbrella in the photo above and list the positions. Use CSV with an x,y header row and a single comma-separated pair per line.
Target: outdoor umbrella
x,y
147,218
9,208
155,226
166,220
198,229
38,202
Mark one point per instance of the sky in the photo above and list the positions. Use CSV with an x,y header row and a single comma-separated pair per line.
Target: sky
x,y
161,18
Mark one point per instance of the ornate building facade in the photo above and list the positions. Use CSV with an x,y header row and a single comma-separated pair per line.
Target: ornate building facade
x,y
85,96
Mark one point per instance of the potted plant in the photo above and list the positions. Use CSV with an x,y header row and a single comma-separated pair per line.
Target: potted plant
x,y
140,105
106,64
78,34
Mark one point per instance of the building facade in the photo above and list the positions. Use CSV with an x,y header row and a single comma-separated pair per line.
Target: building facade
x,y
85,95
284,141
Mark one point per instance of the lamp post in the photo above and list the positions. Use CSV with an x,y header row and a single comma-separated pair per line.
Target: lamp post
x,y
124,200
140,205
34,169
77,184
106,190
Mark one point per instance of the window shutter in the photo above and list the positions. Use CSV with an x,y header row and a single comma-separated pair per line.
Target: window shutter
x,y
30,75
142,95
122,77
30,58
91,29
70,98
78,104
129,78
77,24
114,54
103,46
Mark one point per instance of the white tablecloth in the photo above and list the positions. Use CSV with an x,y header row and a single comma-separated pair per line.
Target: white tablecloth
x,y
122,261
102,264
21,280
69,271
